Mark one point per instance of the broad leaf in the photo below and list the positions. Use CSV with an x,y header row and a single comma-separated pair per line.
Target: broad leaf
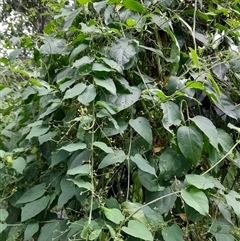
x,y
173,233
3,214
53,230
81,183
74,147
222,231
54,46
106,83
30,230
33,193
171,115
196,199
113,214
149,181
81,170
207,127
143,164
142,127
70,18
76,51
123,52
132,208
88,95
32,209
172,164
83,61
68,191
163,205
138,230
199,181
190,142
118,157
74,91
225,140
103,146
133,5
19,164
37,131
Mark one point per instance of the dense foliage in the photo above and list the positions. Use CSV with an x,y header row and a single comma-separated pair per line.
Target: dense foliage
x,y
121,122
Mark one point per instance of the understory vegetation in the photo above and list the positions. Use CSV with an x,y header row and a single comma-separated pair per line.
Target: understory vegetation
x,y
119,120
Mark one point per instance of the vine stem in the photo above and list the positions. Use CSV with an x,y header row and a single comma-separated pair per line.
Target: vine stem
x,y
212,167
194,25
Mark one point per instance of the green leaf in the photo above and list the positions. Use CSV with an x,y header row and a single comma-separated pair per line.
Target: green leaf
x,y
37,131
76,90
100,67
207,127
199,181
59,156
108,106
196,199
225,140
106,83
132,208
30,230
32,209
222,231
143,164
113,214
53,46
53,230
173,233
46,137
103,146
70,18
172,164
83,61
113,65
54,106
133,5
190,142
111,230
171,115
160,21
19,164
163,205
68,191
4,92
82,184
231,199
82,170
192,214
123,52
76,51
215,85
3,226
149,181
138,230
32,193
74,147
118,157
142,127
194,57
3,215
88,95
130,22
95,234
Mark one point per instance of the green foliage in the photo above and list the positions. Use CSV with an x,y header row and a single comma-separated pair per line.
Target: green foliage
x,y
121,122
